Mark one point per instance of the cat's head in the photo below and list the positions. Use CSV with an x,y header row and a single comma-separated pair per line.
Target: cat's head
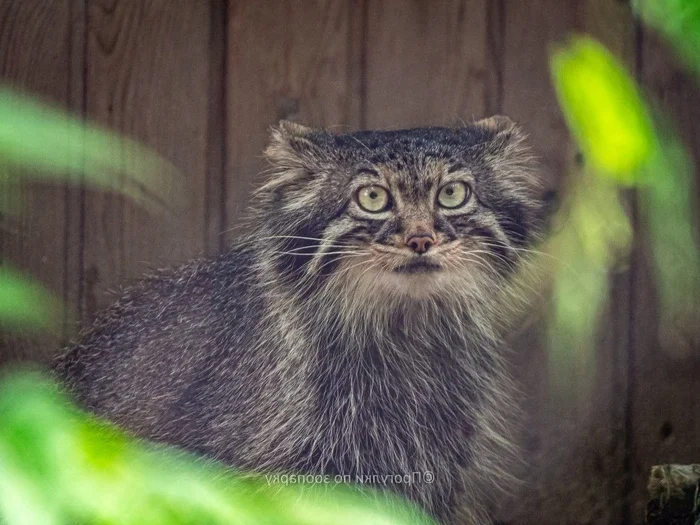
x,y
405,213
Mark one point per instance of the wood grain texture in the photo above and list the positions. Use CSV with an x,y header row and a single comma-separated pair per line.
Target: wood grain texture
x,y
304,65
202,81
574,439
147,77
426,62
666,363
215,203
35,57
529,28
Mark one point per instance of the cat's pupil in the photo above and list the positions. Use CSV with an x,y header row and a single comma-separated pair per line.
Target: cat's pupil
x,y
373,195
449,191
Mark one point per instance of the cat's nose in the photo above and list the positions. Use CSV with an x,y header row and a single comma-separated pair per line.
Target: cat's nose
x,y
420,243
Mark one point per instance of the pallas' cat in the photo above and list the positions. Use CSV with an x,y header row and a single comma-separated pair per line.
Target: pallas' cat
x,y
353,331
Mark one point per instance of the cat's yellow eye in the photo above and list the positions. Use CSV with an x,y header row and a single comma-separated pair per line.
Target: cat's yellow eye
x,y
373,198
453,194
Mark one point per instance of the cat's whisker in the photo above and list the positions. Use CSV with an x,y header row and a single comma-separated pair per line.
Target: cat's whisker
x,y
519,249
538,253
509,264
476,259
298,237
317,254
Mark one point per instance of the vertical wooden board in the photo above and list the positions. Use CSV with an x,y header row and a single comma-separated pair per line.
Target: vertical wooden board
x,y
666,367
147,77
215,204
286,60
574,444
74,192
530,29
35,58
426,62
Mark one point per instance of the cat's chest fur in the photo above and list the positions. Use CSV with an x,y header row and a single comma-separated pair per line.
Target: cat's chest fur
x,y
394,401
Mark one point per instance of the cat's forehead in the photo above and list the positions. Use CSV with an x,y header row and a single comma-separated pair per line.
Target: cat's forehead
x,y
415,153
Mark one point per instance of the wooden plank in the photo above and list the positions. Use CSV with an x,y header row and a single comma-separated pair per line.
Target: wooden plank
x,y
291,60
575,445
426,62
147,77
666,365
215,205
36,39
74,193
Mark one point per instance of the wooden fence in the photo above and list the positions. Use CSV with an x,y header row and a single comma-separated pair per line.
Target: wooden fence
x,y
202,80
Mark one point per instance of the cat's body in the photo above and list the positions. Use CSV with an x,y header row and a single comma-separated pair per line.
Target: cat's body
x,y
333,340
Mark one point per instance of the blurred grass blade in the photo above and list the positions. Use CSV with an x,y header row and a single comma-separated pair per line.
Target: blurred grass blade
x,y
603,109
593,234
678,21
668,210
49,144
623,146
25,305
610,122
59,466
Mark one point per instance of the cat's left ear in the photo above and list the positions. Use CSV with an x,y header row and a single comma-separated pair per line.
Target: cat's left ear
x,y
509,156
496,124
505,143
502,130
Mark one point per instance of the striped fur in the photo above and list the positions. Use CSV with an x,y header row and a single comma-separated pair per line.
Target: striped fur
x,y
309,348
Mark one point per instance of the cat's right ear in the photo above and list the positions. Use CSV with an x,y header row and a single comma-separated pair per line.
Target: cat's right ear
x,y
289,145
292,154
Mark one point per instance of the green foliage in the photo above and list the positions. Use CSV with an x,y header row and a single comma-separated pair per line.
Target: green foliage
x,y
593,233
48,144
25,304
604,109
45,144
678,21
669,215
623,147
59,465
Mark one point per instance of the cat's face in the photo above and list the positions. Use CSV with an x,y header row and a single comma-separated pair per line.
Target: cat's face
x,y
413,213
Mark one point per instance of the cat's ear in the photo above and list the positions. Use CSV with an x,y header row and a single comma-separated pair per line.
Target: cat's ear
x,y
506,142
507,152
289,145
502,132
293,154
504,138
496,124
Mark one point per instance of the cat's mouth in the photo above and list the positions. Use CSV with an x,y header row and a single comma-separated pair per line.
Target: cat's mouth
x,y
418,265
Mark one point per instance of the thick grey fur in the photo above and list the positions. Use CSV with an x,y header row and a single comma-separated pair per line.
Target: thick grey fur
x,y
267,358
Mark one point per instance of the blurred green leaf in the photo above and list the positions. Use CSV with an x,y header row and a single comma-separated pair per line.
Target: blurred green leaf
x,y
25,304
678,21
603,108
623,146
593,235
668,207
40,142
59,465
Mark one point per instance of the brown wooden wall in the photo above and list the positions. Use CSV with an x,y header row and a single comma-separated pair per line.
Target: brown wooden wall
x,y
202,80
